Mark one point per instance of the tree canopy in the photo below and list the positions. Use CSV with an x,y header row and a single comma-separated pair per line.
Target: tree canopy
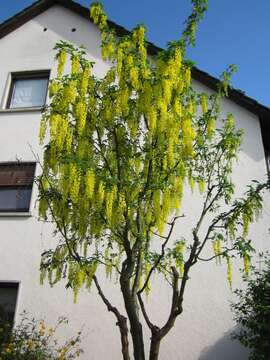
x,y
119,152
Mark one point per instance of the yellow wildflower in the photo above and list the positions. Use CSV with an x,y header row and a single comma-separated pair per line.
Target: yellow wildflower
x,y
30,344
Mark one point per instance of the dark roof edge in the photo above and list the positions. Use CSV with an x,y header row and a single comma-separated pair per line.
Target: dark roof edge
x,y
23,16
236,96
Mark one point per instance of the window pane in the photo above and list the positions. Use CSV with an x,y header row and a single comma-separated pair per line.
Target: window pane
x,y
17,174
8,297
28,92
15,199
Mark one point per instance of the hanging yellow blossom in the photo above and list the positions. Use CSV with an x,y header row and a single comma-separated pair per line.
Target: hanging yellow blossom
x,y
90,184
147,270
187,77
229,271
191,183
230,121
211,124
246,264
134,77
62,58
42,129
85,81
81,113
70,92
201,185
204,104
75,65
53,88
101,192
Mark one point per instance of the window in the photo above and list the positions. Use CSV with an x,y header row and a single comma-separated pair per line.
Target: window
x,y
268,160
28,90
8,299
16,181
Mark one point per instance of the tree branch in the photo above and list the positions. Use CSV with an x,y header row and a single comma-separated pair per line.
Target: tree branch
x,y
160,257
121,320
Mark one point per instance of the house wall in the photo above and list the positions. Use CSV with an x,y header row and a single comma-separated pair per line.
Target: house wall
x,y
203,330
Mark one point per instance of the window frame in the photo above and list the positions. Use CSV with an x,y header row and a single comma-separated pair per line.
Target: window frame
x,y
15,211
267,158
26,75
8,285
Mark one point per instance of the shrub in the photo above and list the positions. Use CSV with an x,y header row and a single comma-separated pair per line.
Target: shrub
x,y
252,313
33,340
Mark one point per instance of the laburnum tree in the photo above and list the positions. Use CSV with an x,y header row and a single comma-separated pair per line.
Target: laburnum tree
x,y
119,151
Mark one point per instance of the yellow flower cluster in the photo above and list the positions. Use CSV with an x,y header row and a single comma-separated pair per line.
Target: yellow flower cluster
x,y
70,92
229,271
90,184
58,131
230,121
147,268
98,16
53,88
9,348
62,58
211,124
246,264
217,249
42,328
180,247
30,344
110,197
204,103
78,276
191,182
84,81
134,78
81,113
42,129
101,192
187,76
188,136
107,49
75,65
201,185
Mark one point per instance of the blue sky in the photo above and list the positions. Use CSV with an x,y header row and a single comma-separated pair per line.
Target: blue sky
x,y
233,31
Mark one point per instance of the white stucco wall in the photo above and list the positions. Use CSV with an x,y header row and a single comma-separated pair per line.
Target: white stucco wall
x,y
203,330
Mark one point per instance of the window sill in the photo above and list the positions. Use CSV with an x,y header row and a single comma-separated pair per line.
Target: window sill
x,y
15,214
22,110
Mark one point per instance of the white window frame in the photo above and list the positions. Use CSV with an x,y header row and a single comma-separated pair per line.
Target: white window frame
x,y
25,75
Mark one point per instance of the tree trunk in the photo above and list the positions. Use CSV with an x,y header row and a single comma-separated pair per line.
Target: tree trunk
x,y
137,340
154,348
158,334
132,309
121,321
124,337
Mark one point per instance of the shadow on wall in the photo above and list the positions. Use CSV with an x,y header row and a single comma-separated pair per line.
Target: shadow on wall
x,y
225,349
